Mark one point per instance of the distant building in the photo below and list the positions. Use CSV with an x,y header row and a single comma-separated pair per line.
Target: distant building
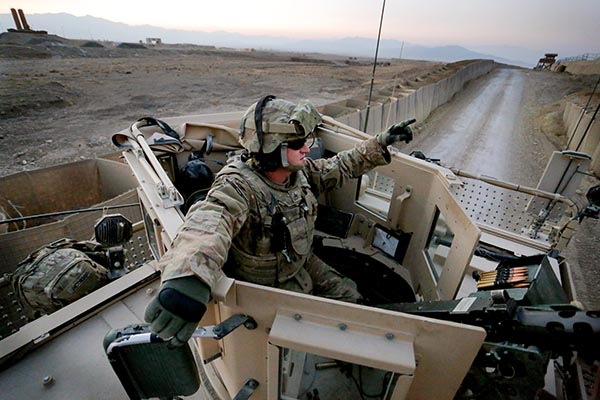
x,y
153,41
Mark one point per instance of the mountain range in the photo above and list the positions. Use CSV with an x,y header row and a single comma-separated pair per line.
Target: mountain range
x,y
93,28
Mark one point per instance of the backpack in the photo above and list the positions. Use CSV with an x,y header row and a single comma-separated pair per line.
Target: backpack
x,y
56,275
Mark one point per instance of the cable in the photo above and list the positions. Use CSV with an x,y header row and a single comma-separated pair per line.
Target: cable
x,y
15,209
582,114
61,213
312,381
372,396
358,387
588,127
389,385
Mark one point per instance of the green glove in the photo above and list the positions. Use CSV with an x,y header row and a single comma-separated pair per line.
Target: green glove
x,y
175,312
396,133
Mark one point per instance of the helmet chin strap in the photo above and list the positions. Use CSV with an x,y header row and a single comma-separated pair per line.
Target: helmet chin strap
x,y
284,160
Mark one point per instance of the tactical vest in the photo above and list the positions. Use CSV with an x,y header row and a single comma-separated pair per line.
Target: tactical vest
x,y
276,239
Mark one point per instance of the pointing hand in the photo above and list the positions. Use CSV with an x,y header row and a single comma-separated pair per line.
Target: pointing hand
x,y
396,133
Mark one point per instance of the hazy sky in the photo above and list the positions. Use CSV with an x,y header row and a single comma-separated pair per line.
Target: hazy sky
x,y
535,24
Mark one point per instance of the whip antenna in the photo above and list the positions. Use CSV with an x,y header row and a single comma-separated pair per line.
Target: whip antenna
x,y
374,66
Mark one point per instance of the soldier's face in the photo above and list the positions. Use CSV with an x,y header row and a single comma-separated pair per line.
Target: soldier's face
x,y
296,157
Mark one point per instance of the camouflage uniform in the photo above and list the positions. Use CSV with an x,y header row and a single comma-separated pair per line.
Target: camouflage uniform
x,y
262,232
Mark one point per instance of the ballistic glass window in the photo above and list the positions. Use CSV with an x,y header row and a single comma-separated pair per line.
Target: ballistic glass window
x,y
438,244
374,192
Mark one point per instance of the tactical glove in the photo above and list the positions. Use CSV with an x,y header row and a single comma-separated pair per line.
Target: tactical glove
x,y
396,133
175,312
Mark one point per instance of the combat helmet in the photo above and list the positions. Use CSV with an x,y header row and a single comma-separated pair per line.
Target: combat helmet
x,y
271,122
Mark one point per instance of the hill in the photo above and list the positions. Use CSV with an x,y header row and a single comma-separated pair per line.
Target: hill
x,y
92,28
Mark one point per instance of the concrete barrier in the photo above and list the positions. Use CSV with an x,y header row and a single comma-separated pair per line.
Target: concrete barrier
x,y
388,107
577,122
583,67
573,112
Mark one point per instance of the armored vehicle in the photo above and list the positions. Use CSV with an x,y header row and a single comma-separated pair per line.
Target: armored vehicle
x,y
466,294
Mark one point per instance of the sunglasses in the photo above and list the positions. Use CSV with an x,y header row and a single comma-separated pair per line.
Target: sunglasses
x,y
299,143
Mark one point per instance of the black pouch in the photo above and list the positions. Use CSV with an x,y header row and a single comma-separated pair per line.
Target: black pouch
x,y
280,233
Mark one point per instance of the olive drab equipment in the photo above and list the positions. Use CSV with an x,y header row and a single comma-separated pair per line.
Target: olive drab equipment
x,y
195,177
271,121
58,274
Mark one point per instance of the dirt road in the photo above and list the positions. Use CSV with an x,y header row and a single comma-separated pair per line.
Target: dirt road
x,y
491,128
482,130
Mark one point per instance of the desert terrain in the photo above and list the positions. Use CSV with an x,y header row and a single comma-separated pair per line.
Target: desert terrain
x,y
63,99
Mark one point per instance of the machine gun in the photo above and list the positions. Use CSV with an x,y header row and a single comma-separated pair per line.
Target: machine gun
x,y
556,328
526,327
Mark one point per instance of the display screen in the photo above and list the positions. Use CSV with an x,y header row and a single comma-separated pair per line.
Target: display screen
x,y
394,244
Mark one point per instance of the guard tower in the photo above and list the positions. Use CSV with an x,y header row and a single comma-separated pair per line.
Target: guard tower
x,y
547,61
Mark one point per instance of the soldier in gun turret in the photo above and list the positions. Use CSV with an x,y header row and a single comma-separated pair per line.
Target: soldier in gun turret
x,y
257,221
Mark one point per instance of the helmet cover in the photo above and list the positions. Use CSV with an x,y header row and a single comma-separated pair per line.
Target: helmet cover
x,y
282,121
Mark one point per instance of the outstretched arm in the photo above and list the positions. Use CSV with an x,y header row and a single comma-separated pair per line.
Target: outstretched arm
x,y
192,266
334,172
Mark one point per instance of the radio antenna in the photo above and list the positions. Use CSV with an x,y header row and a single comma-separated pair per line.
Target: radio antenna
x,y
374,67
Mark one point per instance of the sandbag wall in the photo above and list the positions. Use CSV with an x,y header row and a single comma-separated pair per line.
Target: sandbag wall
x,y
583,132
388,107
